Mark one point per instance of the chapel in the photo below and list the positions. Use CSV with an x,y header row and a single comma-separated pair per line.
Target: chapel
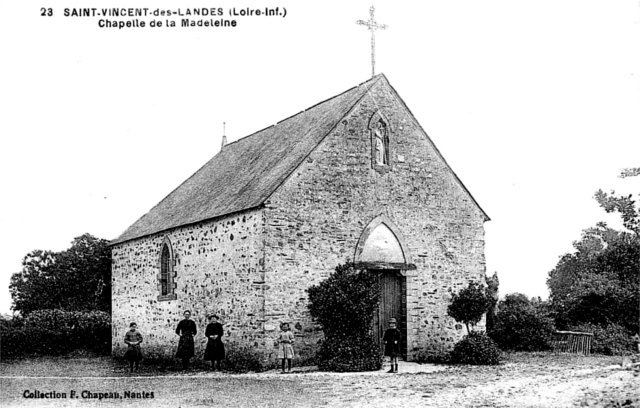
x,y
354,178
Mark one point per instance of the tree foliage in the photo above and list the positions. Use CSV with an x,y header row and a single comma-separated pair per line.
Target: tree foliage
x,y
469,305
78,278
523,324
344,304
598,283
623,204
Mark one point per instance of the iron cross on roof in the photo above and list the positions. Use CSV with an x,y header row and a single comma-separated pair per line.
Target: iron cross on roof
x,y
373,26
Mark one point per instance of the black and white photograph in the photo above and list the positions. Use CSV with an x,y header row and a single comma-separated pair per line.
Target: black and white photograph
x,y
320,204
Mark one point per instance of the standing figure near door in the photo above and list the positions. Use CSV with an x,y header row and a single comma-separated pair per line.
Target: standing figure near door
x,y
391,339
186,330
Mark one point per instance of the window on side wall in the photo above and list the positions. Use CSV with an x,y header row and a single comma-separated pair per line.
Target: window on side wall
x,y
166,284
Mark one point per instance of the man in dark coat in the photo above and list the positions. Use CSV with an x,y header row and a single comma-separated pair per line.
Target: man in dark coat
x,y
215,348
391,339
186,330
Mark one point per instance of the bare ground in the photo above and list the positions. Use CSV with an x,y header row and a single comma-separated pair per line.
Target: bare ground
x,y
522,380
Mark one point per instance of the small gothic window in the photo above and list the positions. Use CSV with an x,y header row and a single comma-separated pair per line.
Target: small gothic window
x,y
381,144
166,284
164,274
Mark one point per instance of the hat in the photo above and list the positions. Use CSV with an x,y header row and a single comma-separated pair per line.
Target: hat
x,y
391,320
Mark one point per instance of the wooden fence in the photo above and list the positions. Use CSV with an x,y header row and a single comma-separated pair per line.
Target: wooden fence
x,y
572,342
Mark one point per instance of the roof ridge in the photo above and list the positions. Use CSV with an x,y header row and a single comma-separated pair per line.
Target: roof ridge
x,y
208,194
356,102
309,108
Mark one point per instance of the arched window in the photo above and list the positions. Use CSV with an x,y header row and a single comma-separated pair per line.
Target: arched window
x,y
166,285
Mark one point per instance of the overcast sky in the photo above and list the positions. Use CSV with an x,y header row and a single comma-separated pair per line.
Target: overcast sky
x,y
534,104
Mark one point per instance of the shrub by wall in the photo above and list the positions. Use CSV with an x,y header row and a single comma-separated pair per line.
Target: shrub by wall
x,y
243,359
344,304
476,348
349,354
432,357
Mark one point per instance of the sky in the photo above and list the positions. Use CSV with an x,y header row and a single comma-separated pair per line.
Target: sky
x,y
534,104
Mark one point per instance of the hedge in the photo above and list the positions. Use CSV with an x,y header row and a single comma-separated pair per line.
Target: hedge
x,y
55,332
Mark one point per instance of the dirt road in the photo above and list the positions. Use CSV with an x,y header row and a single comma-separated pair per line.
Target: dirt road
x,y
523,380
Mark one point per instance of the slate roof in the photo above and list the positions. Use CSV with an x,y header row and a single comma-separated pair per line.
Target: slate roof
x,y
246,172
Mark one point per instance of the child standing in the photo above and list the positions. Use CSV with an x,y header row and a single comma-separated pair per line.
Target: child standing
x,y
391,339
133,338
285,341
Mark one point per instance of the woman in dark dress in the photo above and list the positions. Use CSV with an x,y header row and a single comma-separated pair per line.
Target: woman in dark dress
x,y
186,330
215,348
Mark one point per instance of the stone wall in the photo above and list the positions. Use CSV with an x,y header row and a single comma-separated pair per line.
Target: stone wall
x,y
218,269
315,219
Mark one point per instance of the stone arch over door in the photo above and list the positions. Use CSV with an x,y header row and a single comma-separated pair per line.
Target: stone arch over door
x,y
381,250
382,242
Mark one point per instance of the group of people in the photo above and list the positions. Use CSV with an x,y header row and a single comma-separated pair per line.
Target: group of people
x,y
214,351
187,330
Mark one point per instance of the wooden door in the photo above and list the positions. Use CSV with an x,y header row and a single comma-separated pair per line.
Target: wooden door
x,y
391,305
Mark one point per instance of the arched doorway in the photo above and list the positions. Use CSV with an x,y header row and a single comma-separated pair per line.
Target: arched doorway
x,y
381,251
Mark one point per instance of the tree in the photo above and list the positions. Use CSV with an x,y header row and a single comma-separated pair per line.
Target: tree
x,y
469,305
598,283
78,278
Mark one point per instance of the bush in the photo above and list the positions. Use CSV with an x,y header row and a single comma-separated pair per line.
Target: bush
x,y
476,348
432,357
611,340
349,354
55,332
12,340
243,359
522,325
344,304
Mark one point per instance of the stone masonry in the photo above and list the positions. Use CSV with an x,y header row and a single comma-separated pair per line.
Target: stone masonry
x,y
315,219
218,270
